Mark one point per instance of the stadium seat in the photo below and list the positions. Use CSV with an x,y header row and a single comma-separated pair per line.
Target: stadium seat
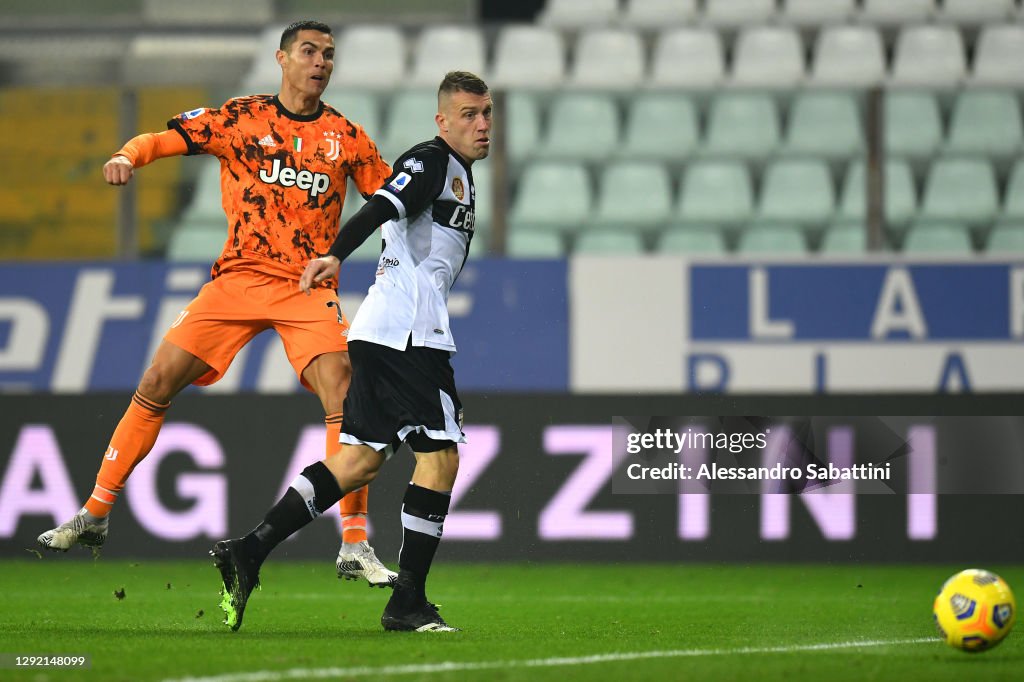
x,y
528,57
660,126
410,120
912,124
484,184
900,197
937,238
200,243
845,237
728,14
222,14
768,239
581,126
929,56
815,13
687,58
633,195
960,190
574,14
898,12
441,49
768,57
743,125
657,14
797,191
371,57
206,204
1013,206
533,244
264,73
609,243
173,59
825,124
522,124
848,56
986,123
1006,238
998,55
552,196
975,12
689,241
716,192
608,58
358,106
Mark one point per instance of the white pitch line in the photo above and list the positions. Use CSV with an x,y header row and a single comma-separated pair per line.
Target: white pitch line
x,y
455,666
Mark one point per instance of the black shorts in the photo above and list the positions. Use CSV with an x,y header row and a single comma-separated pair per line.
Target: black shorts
x,y
401,396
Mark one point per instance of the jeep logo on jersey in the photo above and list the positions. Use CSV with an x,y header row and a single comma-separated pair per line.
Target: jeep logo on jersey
x,y
313,183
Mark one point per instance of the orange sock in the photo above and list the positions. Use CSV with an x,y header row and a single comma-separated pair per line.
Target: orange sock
x,y
132,440
353,505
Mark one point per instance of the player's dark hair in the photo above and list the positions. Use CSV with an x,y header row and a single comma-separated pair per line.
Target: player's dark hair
x,y
462,81
288,37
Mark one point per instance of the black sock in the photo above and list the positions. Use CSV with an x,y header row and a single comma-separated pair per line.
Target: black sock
x,y
423,514
311,493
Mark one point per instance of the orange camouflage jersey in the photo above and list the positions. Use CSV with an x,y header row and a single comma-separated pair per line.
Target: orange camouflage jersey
x,y
282,179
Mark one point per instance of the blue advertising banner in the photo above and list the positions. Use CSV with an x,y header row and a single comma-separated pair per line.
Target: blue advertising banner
x,y
76,328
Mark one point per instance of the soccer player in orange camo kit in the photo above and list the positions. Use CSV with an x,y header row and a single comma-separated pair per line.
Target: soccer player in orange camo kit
x,y
284,160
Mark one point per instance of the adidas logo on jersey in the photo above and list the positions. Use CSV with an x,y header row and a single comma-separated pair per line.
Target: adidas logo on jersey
x,y
267,141
313,183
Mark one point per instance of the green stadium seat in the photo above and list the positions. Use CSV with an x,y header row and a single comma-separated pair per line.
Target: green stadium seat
x,y
1013,206
986,123
532,244
660,126
610,243
845,237
899,195
691,240
770,239
797,191
937,237
359,106
1006,238
581,126
633,195
200,242
719,192
824,124
960,190
553,196
743,125
913,127
410,120
522,125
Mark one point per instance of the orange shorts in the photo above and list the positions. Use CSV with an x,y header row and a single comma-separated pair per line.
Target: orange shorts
x,y
239,304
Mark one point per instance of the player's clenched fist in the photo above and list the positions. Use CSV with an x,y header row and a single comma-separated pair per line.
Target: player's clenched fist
x,y
118,171
318,270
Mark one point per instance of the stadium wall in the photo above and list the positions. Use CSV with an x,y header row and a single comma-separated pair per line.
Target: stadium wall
x,y
589,325
535,484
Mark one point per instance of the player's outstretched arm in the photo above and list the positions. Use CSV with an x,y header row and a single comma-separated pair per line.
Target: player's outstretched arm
x,y
139,151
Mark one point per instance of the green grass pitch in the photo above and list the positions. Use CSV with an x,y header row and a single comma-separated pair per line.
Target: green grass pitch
x,y
536,622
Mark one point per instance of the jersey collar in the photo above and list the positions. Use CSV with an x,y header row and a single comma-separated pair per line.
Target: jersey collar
x,y
298,117
455,155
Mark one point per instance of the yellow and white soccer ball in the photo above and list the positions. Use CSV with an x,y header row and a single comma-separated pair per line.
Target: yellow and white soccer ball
x,y
975,610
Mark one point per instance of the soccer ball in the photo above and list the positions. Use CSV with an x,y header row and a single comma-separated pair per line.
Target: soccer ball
x,y
975,610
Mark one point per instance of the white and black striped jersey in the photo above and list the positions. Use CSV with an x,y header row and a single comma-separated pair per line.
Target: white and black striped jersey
x,y
423,252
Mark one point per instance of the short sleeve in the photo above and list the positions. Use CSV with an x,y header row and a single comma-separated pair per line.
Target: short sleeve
x,y
206,131
416,180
